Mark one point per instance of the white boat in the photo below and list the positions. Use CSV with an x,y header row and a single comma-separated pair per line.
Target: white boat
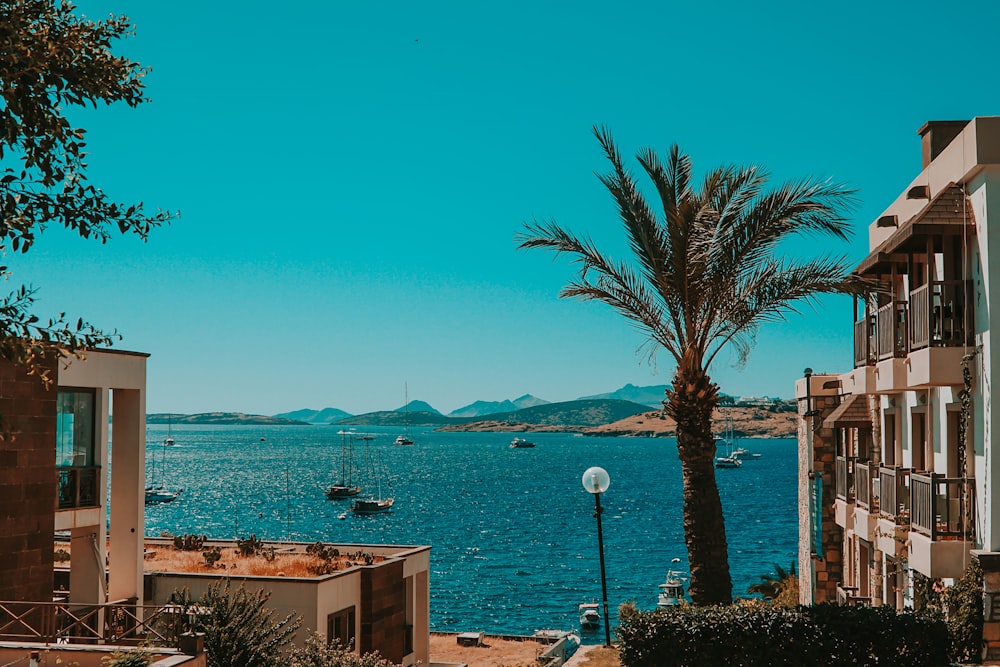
x,y
155,492
590,616
521,443
169,442
730,459
671,591
158,495
404,439
346,487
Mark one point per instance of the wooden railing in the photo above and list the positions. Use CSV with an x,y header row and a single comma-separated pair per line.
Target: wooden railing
x,y
119,623
78,486
848,595
844,477
939,314
942,507
894,494
866,482
864,347
891,330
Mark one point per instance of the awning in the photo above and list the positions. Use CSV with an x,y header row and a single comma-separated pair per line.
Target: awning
x,y
948,214
851,413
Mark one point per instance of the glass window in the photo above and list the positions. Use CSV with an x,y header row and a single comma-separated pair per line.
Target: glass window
x,y
75,428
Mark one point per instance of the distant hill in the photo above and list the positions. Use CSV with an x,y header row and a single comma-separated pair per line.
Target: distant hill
x,y
397,418
324,416
481,408
417,406
576,413
649,396
221,418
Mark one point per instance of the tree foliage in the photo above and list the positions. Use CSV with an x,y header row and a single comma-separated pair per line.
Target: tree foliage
x,y
240,631
780,586
703,276
50,60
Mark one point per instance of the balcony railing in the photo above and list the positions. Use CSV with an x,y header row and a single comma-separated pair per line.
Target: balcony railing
x,y
894,494
864,343
890,325
848,595
78,486
942,506
939,316
844,477
119,623
866,481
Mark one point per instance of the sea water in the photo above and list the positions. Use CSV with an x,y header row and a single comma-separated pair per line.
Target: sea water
x,y
512,531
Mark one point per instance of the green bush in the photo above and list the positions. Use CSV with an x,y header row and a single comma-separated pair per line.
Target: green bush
x,y
318,653
760,635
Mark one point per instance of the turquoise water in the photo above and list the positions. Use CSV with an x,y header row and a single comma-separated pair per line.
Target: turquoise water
x,y
513,533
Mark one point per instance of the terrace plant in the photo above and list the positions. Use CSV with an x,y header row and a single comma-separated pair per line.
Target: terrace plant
x,y
704,275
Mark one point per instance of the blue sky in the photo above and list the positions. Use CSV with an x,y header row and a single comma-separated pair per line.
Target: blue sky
x,y
351,177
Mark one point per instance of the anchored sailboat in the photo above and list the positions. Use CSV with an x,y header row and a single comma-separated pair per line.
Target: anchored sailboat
x,y
345,488
404,438
374,502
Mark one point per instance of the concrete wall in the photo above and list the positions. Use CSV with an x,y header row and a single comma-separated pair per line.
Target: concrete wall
x,y
28,485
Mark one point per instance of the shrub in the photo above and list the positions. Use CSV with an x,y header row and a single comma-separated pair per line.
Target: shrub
x,y
134,657
251,546
61,556
317,653
189,542
240,631
212,556
756,634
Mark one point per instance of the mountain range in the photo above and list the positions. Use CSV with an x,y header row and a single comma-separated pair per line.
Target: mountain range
x,y
422,413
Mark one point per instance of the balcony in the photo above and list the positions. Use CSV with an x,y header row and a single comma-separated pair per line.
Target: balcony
x,y
929,330
121,623
866,489
942,526
843,479
894,510
78,486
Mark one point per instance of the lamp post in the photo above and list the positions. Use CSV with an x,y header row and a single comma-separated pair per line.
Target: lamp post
x,y
596,481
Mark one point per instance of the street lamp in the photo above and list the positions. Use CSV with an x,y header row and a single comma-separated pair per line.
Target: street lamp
x,y
596,481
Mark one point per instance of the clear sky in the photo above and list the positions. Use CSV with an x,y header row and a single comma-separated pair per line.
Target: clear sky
x,y
351,176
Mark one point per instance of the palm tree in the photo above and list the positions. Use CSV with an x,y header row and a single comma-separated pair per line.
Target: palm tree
x,y
773,584
704,277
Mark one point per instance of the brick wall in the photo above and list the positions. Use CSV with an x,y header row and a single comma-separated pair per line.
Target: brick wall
x,y
383,611
27,484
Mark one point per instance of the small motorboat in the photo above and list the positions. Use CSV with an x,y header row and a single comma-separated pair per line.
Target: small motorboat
x,y
671,592
521,443
403,440
590,616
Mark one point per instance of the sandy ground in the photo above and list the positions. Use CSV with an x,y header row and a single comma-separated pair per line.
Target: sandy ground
x,y
495,652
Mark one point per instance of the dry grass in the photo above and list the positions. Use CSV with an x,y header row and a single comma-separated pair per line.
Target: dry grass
x,y
165,558
495,652
598,656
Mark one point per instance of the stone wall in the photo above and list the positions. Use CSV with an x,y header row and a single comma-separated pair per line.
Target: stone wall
x,y
27,484
819,573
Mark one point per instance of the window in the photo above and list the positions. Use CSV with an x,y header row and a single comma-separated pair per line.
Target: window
x,y
340,627
75,428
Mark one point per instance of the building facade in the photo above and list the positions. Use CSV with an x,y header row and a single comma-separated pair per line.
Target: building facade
x,y
896,470
56,476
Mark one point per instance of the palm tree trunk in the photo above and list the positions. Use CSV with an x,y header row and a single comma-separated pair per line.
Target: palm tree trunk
x,y
691,403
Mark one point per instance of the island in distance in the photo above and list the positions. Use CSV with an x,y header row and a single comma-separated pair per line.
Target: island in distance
x,y
629,411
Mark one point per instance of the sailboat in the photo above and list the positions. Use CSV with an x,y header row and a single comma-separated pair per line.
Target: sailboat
x,y
169,442
346,487
404,438
730,460
157,494
375,502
